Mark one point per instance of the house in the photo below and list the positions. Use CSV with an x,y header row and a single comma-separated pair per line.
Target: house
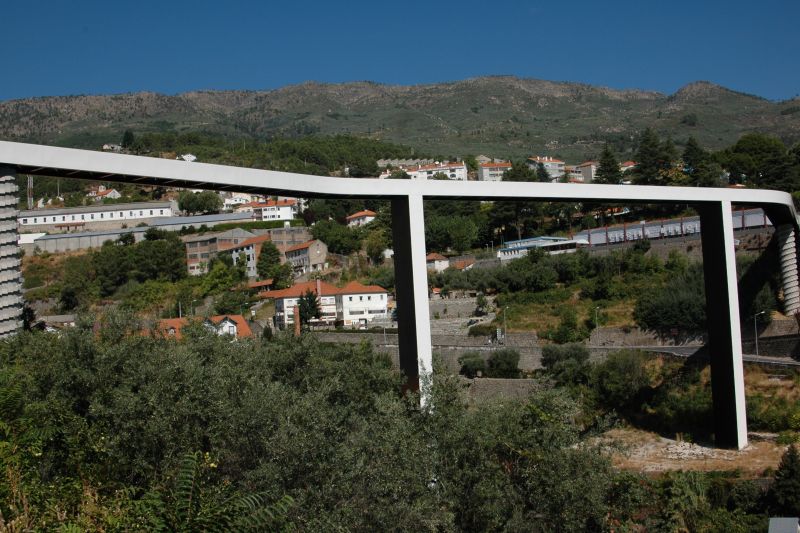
x,y
452,170
361,218
352,305
233,325
200,249
463,263
587,170
436,262
550,245
626,165
493,171
236,199
357,304
111,194
286,209
249,250
287,299
310,256
554,167
110,147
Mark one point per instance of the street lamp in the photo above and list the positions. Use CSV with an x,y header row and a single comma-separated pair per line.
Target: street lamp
x,y
505,327
755,328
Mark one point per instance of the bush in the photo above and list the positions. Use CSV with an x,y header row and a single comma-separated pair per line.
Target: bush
x,y
619,379
472,363
482,330
503,364
567,364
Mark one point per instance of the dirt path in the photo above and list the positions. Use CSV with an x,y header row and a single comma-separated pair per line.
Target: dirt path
x,y
643,451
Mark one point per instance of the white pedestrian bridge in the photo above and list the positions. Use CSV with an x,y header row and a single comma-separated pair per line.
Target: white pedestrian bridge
x,y
714,205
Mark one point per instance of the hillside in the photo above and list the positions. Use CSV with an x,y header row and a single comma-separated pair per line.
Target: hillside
x,y
501,116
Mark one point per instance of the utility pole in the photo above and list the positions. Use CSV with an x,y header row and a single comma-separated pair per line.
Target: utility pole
x,y
30,191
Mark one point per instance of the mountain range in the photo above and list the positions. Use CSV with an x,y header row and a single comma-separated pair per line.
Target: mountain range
x,y
501,116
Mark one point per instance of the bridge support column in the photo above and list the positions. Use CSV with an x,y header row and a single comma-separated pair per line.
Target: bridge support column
x,y
787,252
411,283
724,335
10,263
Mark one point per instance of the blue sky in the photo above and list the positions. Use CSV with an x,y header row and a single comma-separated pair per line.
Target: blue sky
x,y
62,47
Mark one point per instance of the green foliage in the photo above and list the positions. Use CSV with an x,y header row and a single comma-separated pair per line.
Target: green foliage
x,y
339,239
567,364
680,304
308,305
231,303
620,379
472,363
608,169
269,266
784,494
503,363
200,202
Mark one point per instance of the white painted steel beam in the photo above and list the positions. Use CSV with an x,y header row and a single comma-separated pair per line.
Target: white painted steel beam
x,y
713,204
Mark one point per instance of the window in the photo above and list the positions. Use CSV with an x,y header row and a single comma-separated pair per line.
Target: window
x,y
151,212
160,211
54,219
350,298
101,215
24,220
73,217
369,298
360,298
63,219
232,330
83,217
92,215
34,220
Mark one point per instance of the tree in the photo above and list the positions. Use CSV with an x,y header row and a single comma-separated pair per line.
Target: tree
x,y
503,364
269,259
608,170
649,159
784,494
375,244
127,139
308,305
339,239
542,175
693,155
199,202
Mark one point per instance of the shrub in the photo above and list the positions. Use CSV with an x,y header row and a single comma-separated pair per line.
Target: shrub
x,y
566,364
482,330
472,363
619,379
503,364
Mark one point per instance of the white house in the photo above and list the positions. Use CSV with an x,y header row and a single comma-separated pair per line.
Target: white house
x,y
236,199
276,210
456,171
493,171
361,218
353,305
358,305
111,194
287,299
436,262
554,167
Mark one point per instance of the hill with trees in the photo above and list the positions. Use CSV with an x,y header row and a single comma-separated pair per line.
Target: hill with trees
x,y
501,115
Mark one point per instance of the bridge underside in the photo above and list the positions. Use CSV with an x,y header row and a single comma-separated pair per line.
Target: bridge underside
x,y
714,206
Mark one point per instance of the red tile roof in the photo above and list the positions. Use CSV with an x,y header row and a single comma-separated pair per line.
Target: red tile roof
x,y
300,246
253,240
540,159
167,324
364,213
503,164
299,289
462,264
435,257
259,284
355,287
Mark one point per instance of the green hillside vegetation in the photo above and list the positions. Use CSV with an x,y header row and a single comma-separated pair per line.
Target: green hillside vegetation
x,y
502,115
108,429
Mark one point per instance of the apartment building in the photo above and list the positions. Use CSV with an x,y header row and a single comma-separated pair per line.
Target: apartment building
x,y
555,167
493,171
310,256
200,249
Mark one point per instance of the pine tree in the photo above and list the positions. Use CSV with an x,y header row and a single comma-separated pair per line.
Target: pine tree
x,y
648,159
784,495
542,175
693,155
127,139
608,171
269,259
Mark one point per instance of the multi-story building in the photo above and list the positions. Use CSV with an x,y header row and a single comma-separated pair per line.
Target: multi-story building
x,y
94,217
287,299
286,236
249,250
588,170
358,305
276,210
554,167
353,305
200,249
452,170
310,256
361,218
493,171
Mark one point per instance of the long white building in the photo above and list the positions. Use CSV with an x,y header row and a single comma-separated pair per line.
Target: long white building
x,y
69,218
456,171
